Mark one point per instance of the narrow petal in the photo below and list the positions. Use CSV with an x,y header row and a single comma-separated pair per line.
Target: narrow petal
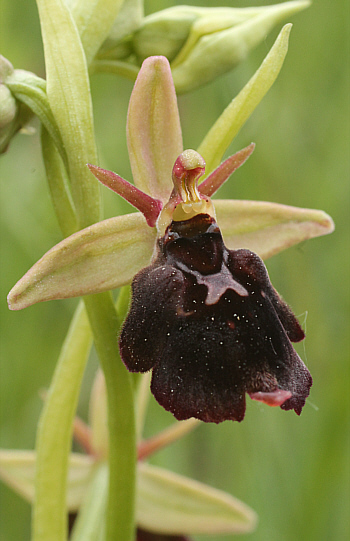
x,y
239,110
146,204
168,503
17,470
222,173
153,128
168,436
101,257
268,228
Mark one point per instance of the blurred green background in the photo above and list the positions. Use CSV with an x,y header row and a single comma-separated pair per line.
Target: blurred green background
x,y
293,471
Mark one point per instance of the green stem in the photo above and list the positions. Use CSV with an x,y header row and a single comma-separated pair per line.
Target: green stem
x,y
55,433
58,185
116,67
121,418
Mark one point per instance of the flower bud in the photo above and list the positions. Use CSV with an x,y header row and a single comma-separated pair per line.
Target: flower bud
x,y
203,43
7,107
18,89
6,68
165,32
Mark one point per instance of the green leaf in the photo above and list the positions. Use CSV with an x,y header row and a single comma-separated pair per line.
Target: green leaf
x,y
101,257
239,110
168,503
17,470
95,20
68,92
268,228
153,129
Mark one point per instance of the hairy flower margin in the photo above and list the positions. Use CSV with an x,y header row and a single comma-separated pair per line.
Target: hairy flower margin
x,y
259,361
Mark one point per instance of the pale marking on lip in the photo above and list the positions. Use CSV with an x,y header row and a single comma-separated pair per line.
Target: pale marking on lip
x,y
217,284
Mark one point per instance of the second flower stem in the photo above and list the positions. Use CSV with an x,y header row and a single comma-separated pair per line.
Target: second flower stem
x,y
121,418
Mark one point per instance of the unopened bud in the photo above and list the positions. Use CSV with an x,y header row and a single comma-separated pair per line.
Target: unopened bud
x,y
6,68
8,107
203,43
217,44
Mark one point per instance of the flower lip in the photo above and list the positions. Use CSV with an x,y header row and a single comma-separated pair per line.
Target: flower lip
x,y
209,323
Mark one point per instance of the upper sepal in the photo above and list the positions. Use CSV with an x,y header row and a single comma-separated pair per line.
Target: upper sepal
x,y
153,128
268,228
171,504
17,470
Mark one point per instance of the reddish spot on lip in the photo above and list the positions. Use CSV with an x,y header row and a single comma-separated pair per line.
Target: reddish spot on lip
x,y
275,398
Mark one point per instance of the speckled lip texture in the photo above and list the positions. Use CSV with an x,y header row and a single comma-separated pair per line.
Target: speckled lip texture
x,y
212,327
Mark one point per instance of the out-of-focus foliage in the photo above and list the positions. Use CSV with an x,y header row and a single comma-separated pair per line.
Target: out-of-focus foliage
x,y
293,471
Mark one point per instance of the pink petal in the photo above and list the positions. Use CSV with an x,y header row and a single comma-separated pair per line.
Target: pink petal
x,y
146,204
212,183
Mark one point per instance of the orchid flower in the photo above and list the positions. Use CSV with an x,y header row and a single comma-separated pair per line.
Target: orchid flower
x,y
204,315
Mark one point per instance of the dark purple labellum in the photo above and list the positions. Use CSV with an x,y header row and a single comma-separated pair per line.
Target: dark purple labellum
x,y
211,326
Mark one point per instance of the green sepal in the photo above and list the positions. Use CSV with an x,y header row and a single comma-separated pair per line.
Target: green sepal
x,y
170,504
103,256
268,228
17,470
